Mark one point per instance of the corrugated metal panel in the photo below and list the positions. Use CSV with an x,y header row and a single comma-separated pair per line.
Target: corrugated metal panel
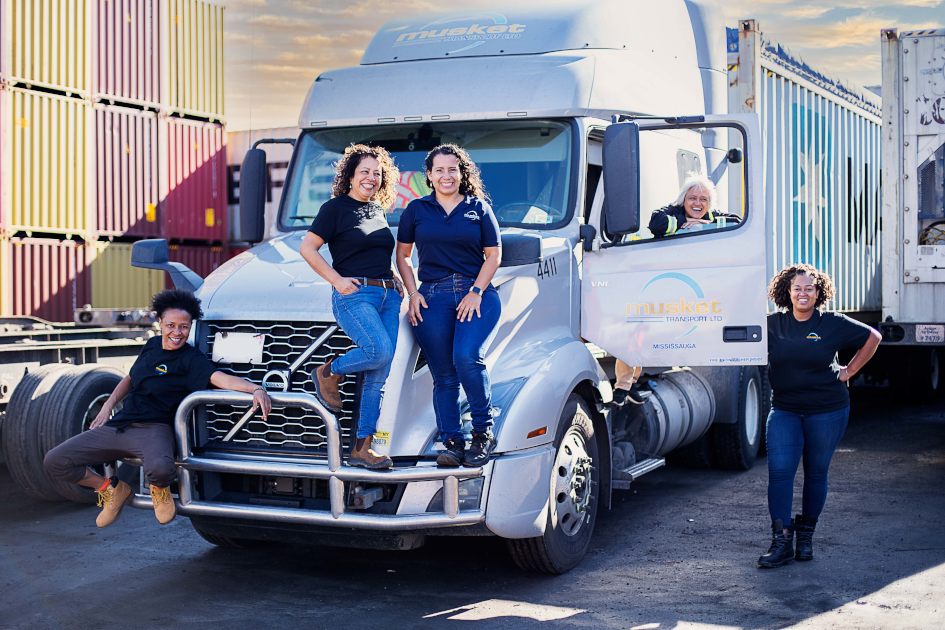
x,y
126,185
44,278
277,160
47,173
194,184
195,48
201,259
46,45
822,182
126,50
115,283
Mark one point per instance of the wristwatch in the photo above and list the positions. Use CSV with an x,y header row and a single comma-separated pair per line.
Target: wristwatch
x,y
476,290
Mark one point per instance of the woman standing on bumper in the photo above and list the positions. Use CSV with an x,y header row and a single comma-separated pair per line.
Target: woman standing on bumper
x,y
456,309
810,402
367,296
166,371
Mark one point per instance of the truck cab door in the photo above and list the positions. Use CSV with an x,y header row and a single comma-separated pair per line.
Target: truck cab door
x,y
696,297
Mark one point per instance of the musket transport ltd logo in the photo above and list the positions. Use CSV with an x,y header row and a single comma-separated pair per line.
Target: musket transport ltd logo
x,y
476,29
686,310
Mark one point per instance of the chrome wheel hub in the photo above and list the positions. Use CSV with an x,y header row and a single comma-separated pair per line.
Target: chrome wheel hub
x,y
572,485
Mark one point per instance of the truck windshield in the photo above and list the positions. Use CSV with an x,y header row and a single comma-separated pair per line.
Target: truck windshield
x,y
525,166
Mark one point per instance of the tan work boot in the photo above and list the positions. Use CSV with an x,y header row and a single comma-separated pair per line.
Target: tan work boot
x,y
364,456
164,508
112,499
328,386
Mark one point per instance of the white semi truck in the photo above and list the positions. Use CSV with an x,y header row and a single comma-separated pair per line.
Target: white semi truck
x,y
560,109
582,123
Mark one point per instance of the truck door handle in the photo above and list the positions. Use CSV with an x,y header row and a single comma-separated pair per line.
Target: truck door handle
x,y
741,334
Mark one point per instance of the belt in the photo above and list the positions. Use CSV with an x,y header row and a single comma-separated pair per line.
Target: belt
x,y
384,284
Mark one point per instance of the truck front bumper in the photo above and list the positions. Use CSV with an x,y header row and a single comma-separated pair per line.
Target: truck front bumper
x,y
332,470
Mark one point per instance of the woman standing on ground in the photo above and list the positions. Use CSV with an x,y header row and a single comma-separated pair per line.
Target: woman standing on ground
x,y
366,295
456,310
810,405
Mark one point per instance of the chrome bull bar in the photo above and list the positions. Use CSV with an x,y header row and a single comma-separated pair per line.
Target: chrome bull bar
x,y
332,470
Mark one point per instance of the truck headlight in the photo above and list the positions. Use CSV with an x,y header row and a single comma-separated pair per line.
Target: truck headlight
x,y
470,490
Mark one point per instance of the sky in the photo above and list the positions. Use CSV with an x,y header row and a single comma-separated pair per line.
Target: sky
x,y
274,49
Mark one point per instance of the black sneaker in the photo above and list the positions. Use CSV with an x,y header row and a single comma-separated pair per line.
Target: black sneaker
x,y
454,453
634,396
481,449
620,398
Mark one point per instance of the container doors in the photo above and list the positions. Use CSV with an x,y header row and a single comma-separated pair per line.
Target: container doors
x,y
695,295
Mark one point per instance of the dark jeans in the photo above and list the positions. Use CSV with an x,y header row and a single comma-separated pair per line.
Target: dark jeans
x,y
455,352
791,435
151,442
370,316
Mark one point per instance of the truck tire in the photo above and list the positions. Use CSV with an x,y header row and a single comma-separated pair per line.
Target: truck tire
x,y
226,541
925,375
736,445
71,407
572,509
21,448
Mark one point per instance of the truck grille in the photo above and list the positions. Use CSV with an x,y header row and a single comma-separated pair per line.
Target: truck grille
x,y
291,429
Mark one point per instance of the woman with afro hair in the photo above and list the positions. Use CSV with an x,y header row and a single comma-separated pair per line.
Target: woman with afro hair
x,y
166,371
810,404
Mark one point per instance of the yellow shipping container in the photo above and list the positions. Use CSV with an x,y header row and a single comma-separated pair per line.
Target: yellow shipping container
x,y
195,49
45,43
115,283
44,144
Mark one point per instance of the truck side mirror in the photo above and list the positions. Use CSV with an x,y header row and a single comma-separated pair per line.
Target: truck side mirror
x,y
253,196
152,254
622,178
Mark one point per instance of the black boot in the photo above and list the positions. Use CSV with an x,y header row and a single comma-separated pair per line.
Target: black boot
x,y
804,526
782,549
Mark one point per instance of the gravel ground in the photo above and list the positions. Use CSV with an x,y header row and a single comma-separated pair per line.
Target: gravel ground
x,y
678,551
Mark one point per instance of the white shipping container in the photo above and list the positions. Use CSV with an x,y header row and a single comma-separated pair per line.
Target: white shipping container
x,y
277,162
822,151
914,196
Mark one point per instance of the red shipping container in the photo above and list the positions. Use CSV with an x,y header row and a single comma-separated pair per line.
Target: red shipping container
x,y
201,259
46,278
126,164
193,185
126,51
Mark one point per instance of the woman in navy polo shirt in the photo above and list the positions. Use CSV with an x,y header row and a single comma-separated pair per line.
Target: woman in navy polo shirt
x,y
367,295
456,310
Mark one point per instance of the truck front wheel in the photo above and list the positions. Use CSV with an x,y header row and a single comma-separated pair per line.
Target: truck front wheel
x,y
572,506
736,445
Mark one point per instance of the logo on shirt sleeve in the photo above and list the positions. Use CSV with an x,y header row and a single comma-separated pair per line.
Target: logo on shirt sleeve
x,y
161,369
813,336
472,215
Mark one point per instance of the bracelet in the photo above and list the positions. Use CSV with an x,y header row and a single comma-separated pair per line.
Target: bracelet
x,y
413,293
258,389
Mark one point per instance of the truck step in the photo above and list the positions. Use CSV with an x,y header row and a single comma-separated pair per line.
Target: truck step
x,y
632,473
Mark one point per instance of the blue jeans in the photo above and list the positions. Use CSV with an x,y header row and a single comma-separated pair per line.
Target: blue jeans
x,y
791,435
370,316
455,352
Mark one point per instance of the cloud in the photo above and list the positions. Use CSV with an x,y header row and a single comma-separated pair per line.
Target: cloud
x,y
857,30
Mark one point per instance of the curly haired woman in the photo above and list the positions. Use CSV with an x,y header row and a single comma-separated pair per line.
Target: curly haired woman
x,y
367,294
457,238
810,404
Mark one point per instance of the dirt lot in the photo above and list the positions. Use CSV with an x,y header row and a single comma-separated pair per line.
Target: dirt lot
x,y
679,551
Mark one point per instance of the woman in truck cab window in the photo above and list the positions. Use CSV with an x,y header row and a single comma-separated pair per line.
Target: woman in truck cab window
x,y
166,371
810,404
367,294
693,210
456,310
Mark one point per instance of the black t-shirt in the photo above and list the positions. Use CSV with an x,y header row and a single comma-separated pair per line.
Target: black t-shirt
x,y
358,237
804,372
160,380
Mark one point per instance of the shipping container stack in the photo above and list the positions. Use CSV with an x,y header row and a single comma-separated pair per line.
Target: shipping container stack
x,y
111,131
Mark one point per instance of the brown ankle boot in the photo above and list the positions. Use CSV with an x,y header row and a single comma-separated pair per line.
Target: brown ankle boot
x,y
327,386
112,500
363,455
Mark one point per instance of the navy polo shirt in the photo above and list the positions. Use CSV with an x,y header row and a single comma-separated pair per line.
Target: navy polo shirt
x,y
449,243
